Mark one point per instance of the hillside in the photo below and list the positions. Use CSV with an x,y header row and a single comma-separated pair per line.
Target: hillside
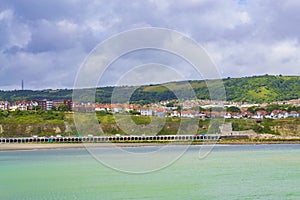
x,y
46,123
256,89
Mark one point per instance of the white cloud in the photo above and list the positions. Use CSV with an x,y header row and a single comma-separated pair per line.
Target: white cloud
x,y
67,26
6,14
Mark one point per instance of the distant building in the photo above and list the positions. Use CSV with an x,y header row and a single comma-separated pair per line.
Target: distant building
x,y
293,114
68,103
56,103
4,105
174,114
24,105
46,104
146,112
116,108
160,112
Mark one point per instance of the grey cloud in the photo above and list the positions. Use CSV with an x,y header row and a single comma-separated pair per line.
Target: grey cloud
x,y
243,37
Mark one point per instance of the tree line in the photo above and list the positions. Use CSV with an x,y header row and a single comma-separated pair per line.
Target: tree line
x,y
256,89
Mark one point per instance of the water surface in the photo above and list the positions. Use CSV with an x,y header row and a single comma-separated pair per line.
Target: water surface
x,y
229,172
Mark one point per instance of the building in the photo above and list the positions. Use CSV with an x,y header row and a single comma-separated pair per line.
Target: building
x,y
116,108
160,112
24,105
4,105
46,104
56,103
69,104
146,112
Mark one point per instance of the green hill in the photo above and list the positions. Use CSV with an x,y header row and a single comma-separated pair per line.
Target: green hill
x,y
263,88
256,89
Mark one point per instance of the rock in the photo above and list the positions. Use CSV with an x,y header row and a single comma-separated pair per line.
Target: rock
x,y
68,128
57,130
28,129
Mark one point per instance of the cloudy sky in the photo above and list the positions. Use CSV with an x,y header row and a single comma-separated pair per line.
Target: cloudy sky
x,y
44,42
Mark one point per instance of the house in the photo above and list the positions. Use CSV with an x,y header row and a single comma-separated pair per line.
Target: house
x,y
293,114
257,115
282,114
99,107
24,105
146,112
238,116
160,112
4,105
202,115
116,108
228,116
188,113
278,114
130,107
175,114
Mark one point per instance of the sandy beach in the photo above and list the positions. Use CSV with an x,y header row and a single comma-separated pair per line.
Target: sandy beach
x,y
31,146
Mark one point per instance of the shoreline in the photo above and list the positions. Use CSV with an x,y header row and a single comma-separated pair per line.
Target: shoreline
x,y
40,146
45,146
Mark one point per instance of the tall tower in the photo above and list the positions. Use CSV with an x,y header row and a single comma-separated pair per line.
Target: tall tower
x,y
22,85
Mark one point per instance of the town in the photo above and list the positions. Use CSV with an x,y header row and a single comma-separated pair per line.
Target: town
x,y
173,108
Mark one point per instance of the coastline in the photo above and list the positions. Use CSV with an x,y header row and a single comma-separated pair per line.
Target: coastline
x,y
41,146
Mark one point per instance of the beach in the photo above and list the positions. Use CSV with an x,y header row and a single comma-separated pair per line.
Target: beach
x,y
32,146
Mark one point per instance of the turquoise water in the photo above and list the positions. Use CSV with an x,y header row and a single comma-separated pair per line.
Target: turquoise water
x,y
229,172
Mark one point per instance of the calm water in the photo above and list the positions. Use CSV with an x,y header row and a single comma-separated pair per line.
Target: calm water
x,y
229,172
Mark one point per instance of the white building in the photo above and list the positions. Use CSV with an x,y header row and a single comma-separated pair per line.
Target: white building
x,y
4,105
146,112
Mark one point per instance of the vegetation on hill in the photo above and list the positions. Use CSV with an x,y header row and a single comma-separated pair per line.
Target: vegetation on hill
x,y
29,123
15,95
47,123
256,89
283,127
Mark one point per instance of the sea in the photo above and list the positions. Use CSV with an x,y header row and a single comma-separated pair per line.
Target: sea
x,y
226,172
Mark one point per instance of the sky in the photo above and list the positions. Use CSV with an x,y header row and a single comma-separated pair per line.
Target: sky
x,y
45,42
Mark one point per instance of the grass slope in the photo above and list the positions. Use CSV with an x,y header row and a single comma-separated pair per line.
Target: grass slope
x,y
256,89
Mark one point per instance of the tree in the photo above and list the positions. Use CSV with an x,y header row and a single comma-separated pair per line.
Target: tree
x,y
170,104
179,109
134,112
53,108
201,109
235,126
62,107
251,109
233,109
4,114
38,107
17,112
